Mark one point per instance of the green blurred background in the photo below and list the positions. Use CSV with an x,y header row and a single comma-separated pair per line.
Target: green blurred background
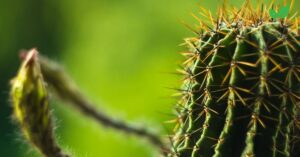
x,y
120,52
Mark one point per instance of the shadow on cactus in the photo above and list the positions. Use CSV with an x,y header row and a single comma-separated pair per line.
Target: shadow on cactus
x,y
240,94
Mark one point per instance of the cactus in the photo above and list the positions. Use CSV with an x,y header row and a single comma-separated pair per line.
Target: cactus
x,y
240,94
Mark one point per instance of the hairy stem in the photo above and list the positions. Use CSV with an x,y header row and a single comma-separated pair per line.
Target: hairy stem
x,y
67,90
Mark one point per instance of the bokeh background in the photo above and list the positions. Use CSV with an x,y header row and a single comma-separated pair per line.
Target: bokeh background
x,y
120,52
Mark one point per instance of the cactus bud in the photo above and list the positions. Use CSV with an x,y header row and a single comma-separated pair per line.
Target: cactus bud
x,y
31,107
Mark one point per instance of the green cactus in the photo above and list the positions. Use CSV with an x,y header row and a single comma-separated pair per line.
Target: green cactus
x,y
240,96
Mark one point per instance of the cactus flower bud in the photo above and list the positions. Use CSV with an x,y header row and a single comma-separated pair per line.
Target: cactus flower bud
x,y
31,106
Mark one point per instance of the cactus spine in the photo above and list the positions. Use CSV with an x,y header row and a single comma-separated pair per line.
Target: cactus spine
x,y
240,96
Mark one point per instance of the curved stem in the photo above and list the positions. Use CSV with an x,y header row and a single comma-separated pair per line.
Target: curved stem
x,y
67,90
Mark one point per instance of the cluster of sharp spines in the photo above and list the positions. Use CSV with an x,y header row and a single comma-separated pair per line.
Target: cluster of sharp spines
x,y
257,85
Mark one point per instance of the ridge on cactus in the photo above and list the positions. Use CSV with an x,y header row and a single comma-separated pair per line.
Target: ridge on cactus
x,y
241,88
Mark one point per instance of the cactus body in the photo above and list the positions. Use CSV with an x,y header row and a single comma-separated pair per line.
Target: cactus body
x,y
240,95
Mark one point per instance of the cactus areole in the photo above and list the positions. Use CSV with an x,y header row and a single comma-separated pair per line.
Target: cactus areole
x,y
241,89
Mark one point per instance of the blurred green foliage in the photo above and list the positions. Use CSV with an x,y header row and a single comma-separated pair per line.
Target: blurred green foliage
x,y
120,52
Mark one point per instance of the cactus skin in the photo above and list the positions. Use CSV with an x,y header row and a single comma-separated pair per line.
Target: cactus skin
x,y
240,96
31,107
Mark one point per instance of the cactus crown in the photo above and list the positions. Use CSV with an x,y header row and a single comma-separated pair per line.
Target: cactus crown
x,y
240,93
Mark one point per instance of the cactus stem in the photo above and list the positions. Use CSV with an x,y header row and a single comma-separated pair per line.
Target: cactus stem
x,y
67,90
